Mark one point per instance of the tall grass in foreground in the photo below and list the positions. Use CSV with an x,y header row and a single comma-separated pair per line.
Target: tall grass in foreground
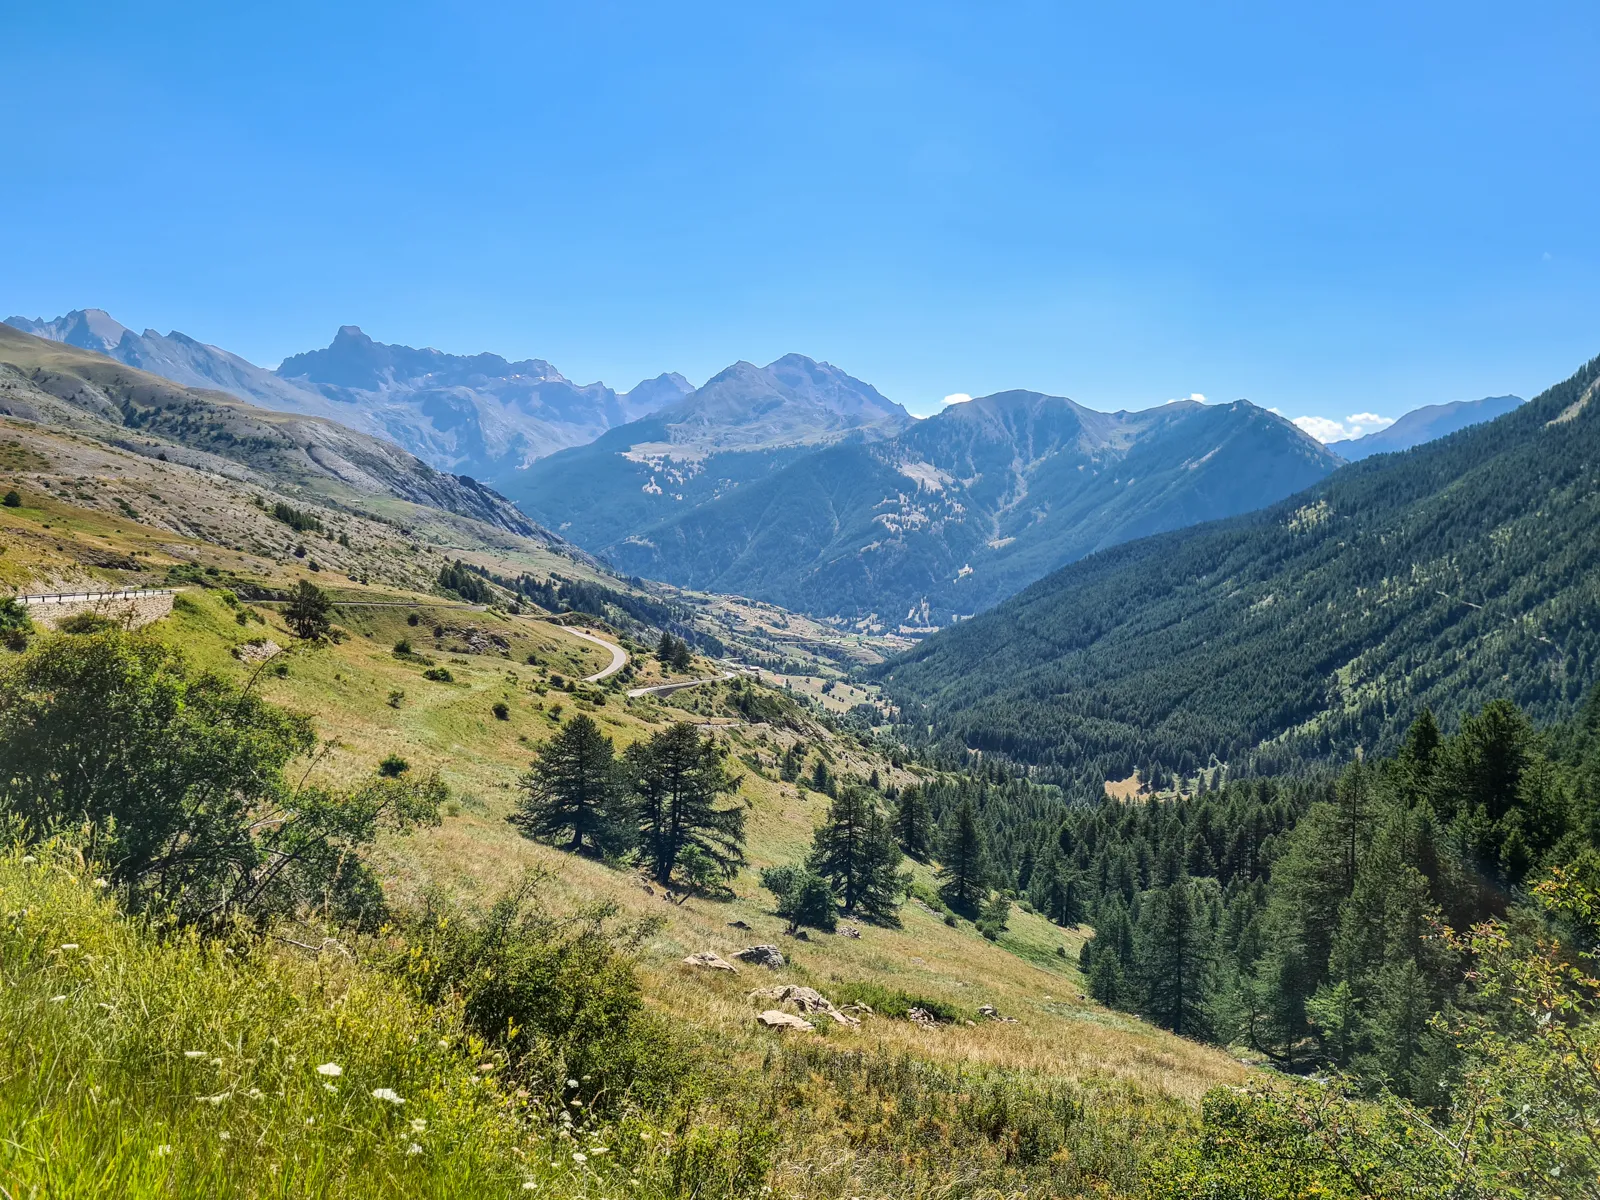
x,y
141,1063
138,1066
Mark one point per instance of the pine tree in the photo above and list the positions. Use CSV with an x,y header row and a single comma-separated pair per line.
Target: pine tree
x,y
573,793
1173,952
854,849
677,779
963,861
913,822
308,610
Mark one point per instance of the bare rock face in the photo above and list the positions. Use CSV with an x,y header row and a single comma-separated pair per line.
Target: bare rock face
x,y
807,1000
712,961
775,1019
767,956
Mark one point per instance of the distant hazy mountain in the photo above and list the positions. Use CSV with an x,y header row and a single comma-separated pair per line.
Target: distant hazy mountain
x,y
474,414
945,518
745,423
57,384
1424,425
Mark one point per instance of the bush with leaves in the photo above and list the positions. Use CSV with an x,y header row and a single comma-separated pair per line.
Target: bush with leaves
x,y
176,781
557,995
15,624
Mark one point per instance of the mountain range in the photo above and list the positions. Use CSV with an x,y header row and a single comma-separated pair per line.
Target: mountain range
x,y
1425,425
948,516
476,414
1464,570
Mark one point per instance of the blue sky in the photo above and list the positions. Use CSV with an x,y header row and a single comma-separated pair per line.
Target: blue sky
x,y
1353,210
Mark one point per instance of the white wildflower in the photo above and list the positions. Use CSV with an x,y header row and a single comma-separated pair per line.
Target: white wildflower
x,y
530,1186
254,1093
69,945
102,882
225,1136
572,1083
194,1053
330,1087
418,1125
579,1157
311,1120
413,1148
599,1149
163,1150
386,1094
333,1070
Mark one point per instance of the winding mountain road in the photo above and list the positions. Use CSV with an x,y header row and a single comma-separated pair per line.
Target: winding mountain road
x,y
666,689
619,656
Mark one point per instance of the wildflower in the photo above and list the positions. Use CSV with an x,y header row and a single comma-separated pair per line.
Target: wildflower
x,y
330,1087
418,1125
163,1150
579,1157
214,1101
334,1070
225,1136
311,1120
599,1149
57,999
386,1094
69,945
413,1148
572,1083
102,882
254,1093
194,1053
530,1186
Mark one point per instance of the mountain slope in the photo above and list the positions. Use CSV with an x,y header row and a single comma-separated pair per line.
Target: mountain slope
x,y
298,451
965,508
1425,425
746,422
1464,570
477,414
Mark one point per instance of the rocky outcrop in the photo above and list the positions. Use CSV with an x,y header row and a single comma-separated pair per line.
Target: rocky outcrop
x,y
808,1001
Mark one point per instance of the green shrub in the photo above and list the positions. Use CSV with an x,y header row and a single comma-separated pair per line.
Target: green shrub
x,y
439,675
803,896
557,996
13,499
393,767
85,622
501,710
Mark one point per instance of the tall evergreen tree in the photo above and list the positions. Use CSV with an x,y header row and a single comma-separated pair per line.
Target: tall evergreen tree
x,y
963,861
573,793
913,822
677,779
854,849
1173,952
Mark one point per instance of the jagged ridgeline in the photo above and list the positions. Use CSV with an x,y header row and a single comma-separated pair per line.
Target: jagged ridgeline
x,y
1460,571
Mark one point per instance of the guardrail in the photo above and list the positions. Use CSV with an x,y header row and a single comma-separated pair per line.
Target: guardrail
x,y
74,597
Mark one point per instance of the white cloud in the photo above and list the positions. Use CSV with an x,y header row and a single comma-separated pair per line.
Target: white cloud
x,y
1323,429
1197,397
957,398
1326,429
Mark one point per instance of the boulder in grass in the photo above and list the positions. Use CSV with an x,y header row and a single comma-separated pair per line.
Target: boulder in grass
x,y
767,956
775,1019
713,961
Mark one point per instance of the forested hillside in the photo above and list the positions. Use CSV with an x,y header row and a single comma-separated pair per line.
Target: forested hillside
x,y
1461,571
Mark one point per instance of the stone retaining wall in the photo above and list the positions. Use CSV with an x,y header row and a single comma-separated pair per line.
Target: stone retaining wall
x,y
131,612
